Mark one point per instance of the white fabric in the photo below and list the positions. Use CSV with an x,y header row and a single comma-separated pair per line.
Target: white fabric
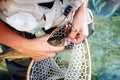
x,y
23,22
74,3
89,16
31,1
15,10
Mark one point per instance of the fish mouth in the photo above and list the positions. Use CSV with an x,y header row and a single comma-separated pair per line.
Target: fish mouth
x,y
58,37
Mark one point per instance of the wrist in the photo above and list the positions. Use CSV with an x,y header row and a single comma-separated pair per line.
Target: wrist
x,y
20,44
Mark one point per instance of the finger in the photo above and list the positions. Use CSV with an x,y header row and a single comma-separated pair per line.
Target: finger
x,y
42,57
55,49
39,58
51,54
71,40
81,38
72,34
75,38
47,55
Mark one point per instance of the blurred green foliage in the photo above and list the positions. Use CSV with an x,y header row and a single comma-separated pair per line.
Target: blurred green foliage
x,y
105,48
3,71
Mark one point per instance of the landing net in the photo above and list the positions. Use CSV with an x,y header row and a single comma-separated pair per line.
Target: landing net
x,y
72,64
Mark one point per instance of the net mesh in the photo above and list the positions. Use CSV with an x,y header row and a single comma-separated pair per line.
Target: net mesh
x,y
71,64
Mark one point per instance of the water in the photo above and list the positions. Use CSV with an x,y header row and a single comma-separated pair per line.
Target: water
x,y
106,8
105,48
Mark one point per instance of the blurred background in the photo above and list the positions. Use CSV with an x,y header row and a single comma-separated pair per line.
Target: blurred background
x,y
104,43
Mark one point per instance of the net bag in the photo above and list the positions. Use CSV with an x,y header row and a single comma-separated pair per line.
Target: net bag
x,y
73,63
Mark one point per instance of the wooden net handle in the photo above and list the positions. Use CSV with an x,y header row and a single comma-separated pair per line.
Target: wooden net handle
x,y
89,59
29,69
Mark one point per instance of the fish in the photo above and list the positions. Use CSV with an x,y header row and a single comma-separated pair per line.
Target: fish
x,y
105,8
58,41
57,38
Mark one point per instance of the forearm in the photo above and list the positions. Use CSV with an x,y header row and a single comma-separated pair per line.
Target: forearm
x,y
11,38
84,5
82,10
79,29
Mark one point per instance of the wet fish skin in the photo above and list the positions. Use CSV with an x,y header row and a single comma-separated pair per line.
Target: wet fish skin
x,y
58,41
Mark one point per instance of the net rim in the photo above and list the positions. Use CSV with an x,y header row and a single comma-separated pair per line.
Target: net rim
x,y
89,63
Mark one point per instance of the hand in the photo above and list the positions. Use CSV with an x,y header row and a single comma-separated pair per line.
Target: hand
x,y
79,31
40,49
79,25
37,48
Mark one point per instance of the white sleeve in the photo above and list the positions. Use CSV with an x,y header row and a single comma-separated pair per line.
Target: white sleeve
x,y
22,21
2,17
76,4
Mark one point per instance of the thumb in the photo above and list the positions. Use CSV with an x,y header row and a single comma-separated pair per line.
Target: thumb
x,y
72,34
